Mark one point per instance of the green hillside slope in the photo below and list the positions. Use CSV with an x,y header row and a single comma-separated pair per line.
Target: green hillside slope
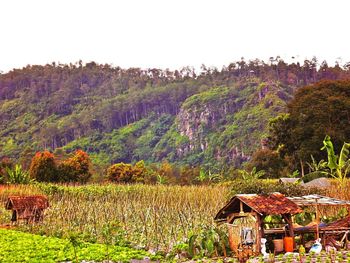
x,y
118,115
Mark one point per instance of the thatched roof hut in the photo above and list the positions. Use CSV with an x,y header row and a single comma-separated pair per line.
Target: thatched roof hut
x,y
29,208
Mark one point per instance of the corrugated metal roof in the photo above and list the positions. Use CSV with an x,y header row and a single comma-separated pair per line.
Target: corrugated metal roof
x,y
312,200
23,202
273,204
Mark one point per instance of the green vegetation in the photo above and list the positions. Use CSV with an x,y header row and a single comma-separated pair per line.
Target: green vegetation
x,y
17,175
127,115
24,247
316,111
339,165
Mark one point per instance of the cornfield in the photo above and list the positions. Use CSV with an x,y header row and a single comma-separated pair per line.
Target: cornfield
x,y
152,217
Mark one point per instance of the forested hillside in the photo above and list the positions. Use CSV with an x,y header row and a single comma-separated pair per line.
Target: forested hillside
x,y
213,117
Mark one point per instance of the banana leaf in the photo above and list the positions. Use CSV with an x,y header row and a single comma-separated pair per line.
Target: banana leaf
x,y
332,158
344,155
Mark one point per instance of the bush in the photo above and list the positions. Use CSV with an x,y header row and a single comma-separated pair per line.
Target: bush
x,y
269,186
127,173
120,172
268,161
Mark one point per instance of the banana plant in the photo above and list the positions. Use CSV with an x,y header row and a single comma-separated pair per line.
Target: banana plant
x,y
315,166
316,169
252,175
339,166
208,177
18,175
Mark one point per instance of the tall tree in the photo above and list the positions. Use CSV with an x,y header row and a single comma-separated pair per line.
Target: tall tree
x,y
315,111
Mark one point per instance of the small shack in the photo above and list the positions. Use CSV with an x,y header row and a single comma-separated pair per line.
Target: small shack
x,y
28,208
341,226
258,206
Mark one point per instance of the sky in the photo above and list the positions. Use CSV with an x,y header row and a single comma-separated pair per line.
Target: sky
x,y
171,33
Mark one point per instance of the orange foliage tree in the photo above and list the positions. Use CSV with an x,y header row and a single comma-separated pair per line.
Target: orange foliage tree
x,y
120,172
43,167
75,168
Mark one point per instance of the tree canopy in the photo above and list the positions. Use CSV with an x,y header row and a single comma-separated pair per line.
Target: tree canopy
x,y
316,111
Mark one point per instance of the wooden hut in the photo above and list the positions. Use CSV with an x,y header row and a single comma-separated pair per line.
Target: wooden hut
x,y
258,206
28,208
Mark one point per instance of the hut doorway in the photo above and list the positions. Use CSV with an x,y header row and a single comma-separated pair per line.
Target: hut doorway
x,y
242,236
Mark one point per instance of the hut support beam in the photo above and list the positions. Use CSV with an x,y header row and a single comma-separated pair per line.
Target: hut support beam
x,y
288,219
259,232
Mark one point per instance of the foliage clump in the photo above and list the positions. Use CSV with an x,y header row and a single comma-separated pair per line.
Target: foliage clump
x,y
75,168
23,247
45,168
270,186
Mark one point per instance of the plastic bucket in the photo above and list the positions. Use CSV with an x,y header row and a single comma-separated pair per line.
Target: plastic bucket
x,y
289,244
278,245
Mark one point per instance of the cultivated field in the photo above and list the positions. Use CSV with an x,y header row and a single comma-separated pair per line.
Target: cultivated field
x,y
155,218
150,217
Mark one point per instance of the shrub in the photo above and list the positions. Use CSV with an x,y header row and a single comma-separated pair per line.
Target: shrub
x,y
269,186
44,168
268,161
120,172
127,173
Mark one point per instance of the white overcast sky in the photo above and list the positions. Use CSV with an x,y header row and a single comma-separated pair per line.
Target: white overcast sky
x,y
171,33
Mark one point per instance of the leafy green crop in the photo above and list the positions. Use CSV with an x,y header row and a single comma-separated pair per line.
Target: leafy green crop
x,y
23,247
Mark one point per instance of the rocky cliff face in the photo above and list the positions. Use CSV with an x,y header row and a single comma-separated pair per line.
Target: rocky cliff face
x,y
227,124
196,121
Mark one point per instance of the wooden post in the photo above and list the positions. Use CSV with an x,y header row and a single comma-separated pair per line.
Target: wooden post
x,y
317,222
288,218
241,207
258,232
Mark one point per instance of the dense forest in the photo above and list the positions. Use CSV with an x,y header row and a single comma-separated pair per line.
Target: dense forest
x,y
214,117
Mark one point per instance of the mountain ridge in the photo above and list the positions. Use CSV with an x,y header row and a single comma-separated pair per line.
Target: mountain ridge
x,y
119,115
